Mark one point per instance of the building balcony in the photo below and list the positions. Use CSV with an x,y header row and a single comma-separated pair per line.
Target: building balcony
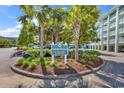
x,y
104,42
105,23
112,33
121,21
121,30
112,18
121,11
104,28
112,26
104,36
112,41
121,40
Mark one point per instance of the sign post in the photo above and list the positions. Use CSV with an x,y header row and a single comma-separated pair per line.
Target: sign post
x,y
59,49
65,59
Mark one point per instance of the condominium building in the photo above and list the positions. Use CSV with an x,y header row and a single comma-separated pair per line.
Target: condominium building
x,y
110,28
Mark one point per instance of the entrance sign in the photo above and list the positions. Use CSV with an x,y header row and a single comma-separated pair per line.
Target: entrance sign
x,y
59,49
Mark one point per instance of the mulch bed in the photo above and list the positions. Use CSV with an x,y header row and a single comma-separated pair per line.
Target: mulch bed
x,y
71,67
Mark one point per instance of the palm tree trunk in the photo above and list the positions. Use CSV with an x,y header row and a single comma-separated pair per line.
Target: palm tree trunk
x,y
76,50
76,35
41,39
56,37
52,38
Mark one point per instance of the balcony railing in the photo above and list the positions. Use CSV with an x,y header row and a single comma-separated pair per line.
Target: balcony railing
x,y
121,20
112,41
112,17
112,25
121,11
105,28
105,23
104,36
121,40
121,30
112,33
105,42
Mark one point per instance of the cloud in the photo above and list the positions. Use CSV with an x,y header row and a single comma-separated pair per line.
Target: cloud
x,y
12,17
11,32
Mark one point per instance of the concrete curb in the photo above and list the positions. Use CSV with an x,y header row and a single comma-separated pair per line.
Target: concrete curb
x,y
34,75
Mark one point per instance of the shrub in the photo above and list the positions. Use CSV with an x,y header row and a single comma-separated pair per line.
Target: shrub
x,y
71,53
36,60
42,62
20,61
87,62
24,48
47,53
33,52
54,65
26,64
32,66
5,43
90,52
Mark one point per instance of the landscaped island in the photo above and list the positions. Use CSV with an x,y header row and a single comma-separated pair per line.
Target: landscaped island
x,y
73,26
31,62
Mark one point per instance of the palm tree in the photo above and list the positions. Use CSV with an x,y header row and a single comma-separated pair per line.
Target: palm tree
x,y
82,19
40,13
55,23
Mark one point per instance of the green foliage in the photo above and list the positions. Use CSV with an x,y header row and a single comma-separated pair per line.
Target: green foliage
x,y
26,63
29,59
42,62
32,66
47,53
54,65
58,24
33,52
20,61
87,62
90,53
26,37
5,43
36,60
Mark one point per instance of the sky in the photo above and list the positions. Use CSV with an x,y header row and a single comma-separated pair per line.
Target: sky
x,y
9,25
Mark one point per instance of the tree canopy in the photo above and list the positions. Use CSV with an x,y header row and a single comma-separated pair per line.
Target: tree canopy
x,y
73,25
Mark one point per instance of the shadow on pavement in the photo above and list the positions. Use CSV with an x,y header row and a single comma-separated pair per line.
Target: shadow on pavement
x,y
112,74
71,82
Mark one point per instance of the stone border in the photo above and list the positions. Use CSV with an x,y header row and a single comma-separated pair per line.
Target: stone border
x,y
34,75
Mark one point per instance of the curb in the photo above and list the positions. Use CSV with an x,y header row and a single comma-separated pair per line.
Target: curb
x,y
40,76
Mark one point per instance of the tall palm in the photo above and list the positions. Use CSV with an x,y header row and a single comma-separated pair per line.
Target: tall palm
x,y
40,13
55,23
82,18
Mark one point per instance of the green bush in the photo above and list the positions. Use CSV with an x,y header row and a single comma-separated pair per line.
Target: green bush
x,y
20,61
33,52
29,59
36,60
26,64
5,43
47,53
71,53
90,53
87,62
42,62
24,48
32,66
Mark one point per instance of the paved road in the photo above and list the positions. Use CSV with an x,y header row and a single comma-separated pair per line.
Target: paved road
x,y
7,77
112,75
